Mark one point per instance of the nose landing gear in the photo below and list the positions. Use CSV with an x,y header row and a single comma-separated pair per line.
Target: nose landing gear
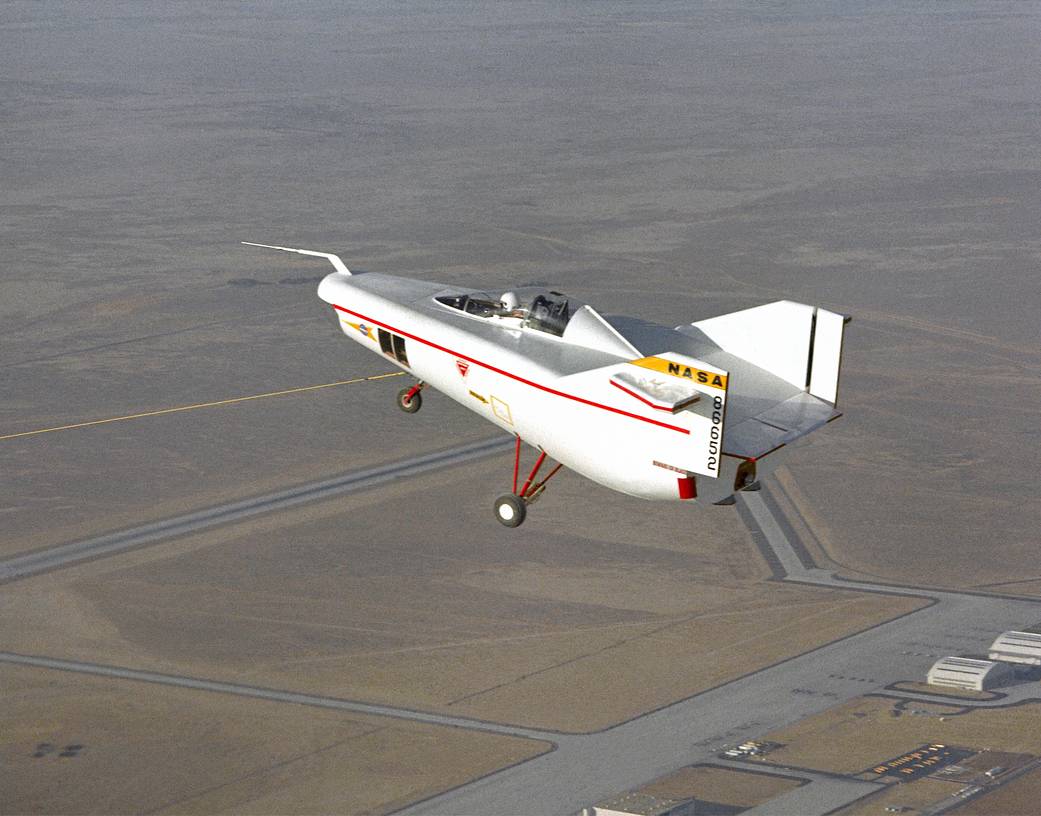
x,y
512,508
409,399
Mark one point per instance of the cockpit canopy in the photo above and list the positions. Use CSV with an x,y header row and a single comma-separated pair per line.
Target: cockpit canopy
x,y
539,309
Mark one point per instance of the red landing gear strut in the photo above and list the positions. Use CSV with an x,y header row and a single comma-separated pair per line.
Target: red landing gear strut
x,y
409,399
512,508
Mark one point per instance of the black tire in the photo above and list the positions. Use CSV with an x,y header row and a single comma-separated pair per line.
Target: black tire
x,y
409,406
510,510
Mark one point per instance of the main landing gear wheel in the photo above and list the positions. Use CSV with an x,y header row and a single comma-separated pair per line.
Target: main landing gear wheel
x,y
409,404
510,510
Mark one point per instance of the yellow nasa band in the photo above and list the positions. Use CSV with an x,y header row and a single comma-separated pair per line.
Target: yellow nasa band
x,y
709,379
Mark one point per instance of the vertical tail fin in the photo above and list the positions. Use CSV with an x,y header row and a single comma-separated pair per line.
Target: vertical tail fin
x,y
822,378
800,344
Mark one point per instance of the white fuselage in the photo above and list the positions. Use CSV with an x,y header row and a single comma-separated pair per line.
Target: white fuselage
x,y
659,413
554,394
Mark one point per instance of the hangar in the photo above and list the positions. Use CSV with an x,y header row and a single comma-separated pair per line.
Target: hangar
x,y
968,673
1017,647
643,804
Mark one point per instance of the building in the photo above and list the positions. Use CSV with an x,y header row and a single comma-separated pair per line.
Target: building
x,y
642,804
1017,647
968,673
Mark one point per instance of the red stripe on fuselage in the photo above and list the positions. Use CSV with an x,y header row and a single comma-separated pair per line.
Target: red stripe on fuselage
x,y
519,379
633,394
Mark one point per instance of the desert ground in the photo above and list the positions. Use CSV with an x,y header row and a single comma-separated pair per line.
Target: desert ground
x,y
1019,796
865,732
130,747
662,160
555,631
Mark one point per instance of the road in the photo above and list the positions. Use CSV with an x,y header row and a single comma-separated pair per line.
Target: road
x,y
589,768
114,543
586,768
294,697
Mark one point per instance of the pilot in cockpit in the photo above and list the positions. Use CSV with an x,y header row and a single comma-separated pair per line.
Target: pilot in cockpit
x,y
545,313
510,303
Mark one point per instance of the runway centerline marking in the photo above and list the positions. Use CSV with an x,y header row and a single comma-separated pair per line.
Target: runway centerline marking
x,y
198,405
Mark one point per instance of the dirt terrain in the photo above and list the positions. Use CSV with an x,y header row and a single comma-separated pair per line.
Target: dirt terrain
x,y
666,161
75,744
539,626
858,735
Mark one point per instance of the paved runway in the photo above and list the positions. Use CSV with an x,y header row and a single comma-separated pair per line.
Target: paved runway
x,y
820,796
114,543
293,697
667,159
587,768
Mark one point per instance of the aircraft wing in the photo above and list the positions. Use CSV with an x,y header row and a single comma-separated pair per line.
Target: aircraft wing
x,y
783,362
783,423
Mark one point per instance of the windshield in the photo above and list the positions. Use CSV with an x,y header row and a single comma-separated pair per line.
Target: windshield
x,y
478,304
538,309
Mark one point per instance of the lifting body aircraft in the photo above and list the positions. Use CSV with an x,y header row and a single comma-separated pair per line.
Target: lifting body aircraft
x,y
679,413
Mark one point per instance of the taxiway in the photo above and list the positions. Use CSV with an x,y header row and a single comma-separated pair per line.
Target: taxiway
x,y
585,768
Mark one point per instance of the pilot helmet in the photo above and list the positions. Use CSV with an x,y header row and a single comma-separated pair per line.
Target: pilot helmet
x,y
510,301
